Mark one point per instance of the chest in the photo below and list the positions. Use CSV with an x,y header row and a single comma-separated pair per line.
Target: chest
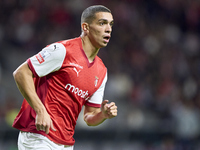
x,y
79,77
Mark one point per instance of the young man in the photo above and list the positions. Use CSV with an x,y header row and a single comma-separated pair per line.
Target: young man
x,y
59,80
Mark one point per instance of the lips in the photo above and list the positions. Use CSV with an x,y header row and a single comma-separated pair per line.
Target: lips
x,y
106,38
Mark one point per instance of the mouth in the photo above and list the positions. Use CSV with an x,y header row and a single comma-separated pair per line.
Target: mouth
x,y
106,38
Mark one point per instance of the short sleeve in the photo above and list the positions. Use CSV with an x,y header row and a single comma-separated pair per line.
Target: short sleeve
x,y
97,98
48,60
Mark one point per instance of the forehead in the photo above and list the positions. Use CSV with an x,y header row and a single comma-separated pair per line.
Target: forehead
x,y
104,16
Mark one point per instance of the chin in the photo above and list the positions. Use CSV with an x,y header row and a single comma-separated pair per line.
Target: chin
x,y
104,45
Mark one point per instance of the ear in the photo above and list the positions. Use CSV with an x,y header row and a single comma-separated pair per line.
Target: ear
x,y
85,26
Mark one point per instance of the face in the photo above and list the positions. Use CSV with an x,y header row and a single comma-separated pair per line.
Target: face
x,y
100,29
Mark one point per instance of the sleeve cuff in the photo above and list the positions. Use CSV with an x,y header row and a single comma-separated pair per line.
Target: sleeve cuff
x,y
92,104
32,68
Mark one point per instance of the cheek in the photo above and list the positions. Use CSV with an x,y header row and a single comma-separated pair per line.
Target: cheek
x,y
96,31
96,35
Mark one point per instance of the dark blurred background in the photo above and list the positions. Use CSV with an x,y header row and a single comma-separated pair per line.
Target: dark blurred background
x,y
153,62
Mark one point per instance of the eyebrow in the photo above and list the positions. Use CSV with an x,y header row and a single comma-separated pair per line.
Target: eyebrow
x,y
105,20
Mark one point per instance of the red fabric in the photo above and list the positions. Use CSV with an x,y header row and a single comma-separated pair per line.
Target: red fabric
x,y
63,93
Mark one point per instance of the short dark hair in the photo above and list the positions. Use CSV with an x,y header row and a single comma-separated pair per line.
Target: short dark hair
x,y
89,13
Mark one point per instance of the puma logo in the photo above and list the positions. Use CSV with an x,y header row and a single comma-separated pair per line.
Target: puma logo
x,y
77,72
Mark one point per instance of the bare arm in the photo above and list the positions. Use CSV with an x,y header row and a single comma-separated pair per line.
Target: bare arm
x,y
95,116
24,80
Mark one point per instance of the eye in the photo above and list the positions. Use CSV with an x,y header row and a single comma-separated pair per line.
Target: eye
x,y
101,23
111,24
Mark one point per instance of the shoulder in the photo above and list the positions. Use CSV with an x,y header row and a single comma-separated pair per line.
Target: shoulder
x,y
55,47
100,63
56,50
71,42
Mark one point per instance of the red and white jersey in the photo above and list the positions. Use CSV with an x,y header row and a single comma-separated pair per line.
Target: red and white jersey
x,y
64,81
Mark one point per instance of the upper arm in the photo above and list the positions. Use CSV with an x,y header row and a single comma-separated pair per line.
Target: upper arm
x,y
48,60
22,69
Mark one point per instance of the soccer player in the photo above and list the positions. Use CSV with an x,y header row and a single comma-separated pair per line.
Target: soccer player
x,y
59,80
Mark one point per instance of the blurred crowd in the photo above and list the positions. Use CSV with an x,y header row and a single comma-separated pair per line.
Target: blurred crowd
x,y
153,62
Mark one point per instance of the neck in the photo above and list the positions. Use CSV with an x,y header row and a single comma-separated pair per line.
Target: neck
x,y
88,48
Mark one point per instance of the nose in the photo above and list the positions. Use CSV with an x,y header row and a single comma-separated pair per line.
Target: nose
x,y
108,28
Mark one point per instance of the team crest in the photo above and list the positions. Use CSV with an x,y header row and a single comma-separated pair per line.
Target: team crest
x,y
96,81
